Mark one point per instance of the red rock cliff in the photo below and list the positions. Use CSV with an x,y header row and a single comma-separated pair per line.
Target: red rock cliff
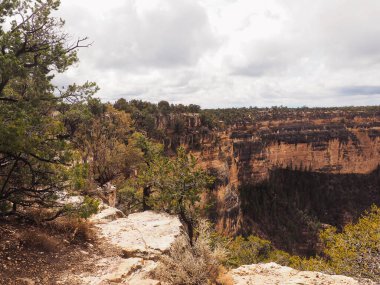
x,y
330,142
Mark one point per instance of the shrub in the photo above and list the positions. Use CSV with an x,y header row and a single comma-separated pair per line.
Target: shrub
x,y
310,264
74,228
193,265
253,249
84,210
356,250
39,241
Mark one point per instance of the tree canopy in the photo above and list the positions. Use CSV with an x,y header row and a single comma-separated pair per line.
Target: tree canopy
x,y
34,153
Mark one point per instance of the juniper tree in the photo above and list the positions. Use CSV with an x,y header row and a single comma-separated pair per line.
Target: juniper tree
x,y
33,143
180,187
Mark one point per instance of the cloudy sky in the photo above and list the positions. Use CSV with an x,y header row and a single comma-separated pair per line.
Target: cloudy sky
x,y
229,53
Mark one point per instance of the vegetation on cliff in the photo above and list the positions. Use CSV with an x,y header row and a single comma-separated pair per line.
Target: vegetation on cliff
x,y
354,251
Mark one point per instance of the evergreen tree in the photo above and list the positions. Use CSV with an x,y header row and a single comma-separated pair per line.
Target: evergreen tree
x,y
34,155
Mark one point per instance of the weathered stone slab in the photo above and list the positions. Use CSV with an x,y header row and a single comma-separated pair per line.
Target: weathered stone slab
x,y
145,234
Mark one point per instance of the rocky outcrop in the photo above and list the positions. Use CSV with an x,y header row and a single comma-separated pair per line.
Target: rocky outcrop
x,y
274,274
145,235
135,241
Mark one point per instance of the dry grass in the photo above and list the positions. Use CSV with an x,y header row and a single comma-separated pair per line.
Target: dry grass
x,y
40,241
196,265
76,229
224,278
40,254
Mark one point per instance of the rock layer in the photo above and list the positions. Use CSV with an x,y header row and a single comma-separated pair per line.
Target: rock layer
x,y
269,159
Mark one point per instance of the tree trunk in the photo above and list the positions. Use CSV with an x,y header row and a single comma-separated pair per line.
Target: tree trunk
x,y
146,195
189,225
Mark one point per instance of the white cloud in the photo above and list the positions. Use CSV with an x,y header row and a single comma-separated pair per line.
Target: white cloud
x,y
229,53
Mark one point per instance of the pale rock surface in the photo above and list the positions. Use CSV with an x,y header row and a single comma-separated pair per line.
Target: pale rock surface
x,y
107,214
147,234
65,198
117,270
140,238
274,274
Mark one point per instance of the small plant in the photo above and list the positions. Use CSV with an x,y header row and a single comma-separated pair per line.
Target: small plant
x,y
75,229
250,250
84,210
194,265
39,241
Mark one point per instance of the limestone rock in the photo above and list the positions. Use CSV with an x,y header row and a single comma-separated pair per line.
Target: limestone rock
x,y
272,273
65,198
142,237
106,214
147,234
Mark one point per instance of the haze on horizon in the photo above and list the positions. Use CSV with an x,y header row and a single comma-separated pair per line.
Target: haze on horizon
x,y
229,53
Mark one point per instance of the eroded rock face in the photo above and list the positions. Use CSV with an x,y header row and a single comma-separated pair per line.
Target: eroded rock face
x,y
272,274
317,166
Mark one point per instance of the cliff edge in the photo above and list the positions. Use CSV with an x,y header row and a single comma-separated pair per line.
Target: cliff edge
x,y
136,242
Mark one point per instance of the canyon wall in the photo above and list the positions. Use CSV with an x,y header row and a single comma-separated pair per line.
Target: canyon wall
x,y
311,167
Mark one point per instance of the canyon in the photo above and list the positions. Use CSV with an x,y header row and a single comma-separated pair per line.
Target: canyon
x,y
284,173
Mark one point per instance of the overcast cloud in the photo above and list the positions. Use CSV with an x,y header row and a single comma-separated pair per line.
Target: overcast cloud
x,y
225,53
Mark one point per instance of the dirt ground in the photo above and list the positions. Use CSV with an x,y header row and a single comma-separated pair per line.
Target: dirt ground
x,y
34,255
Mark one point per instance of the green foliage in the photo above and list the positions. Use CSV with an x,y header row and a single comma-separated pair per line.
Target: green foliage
x,y
84,210
130,197
145,116
149,163
164,107
179,126
79,176
101,135
253,249
34,154
310,264
356,250
89,207
181,184
248,250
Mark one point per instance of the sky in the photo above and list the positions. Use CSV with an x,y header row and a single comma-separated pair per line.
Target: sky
x,y
228,53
